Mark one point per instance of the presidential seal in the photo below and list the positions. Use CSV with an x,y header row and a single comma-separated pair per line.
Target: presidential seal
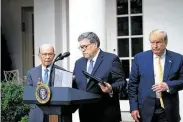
x,y
43,93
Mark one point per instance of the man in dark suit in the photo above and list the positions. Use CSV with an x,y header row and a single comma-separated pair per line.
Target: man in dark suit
x,y
155,79
40,74
105,66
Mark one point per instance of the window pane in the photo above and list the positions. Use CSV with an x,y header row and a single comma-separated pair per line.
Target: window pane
x,y
122,7
123,26
137,45
136,6
123,47
125,64
136,26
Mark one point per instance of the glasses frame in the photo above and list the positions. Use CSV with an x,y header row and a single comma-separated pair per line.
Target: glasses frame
x,y
84,47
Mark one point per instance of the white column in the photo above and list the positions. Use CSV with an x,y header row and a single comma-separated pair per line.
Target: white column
x,y
84,16
50,22
44,24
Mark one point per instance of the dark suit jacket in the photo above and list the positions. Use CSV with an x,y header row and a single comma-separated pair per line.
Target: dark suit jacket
x,y
142,78
33,76
107,67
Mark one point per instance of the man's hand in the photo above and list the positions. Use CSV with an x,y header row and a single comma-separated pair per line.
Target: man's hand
x,y
107,88
39,82
160,87
135,114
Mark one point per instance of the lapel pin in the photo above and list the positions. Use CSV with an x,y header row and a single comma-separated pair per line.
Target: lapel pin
x,y
170,61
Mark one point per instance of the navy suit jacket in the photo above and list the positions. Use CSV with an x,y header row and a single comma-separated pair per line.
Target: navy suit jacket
x,y
33,76
142,97
108,68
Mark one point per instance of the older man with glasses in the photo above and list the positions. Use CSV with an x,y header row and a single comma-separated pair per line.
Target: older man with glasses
x,y
41,74
105,66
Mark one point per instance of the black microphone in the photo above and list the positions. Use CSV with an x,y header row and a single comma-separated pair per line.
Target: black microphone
x,y
66,54
57,58
51,69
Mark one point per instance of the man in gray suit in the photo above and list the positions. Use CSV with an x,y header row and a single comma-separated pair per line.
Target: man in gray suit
x,y
41,73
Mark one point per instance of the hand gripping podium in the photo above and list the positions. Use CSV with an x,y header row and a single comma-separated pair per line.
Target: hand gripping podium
x,y
62,101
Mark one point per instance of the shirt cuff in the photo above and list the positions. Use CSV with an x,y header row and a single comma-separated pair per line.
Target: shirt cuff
x,y
111,93
168,90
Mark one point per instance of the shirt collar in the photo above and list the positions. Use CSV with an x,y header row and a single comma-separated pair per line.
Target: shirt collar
x,y
95,57
162,56
43,68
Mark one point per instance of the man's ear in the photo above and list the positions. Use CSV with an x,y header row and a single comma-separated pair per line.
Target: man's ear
x,y
95,44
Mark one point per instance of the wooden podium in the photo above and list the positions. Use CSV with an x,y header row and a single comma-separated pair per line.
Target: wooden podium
x,y
63,99
53,118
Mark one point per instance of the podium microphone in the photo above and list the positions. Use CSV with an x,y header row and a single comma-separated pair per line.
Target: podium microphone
x,y
66,54
51,69
57,58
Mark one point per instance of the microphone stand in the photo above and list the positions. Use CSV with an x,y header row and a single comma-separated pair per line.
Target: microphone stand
x,y
51,81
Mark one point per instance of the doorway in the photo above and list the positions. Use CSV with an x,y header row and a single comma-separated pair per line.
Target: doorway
x,y
27,39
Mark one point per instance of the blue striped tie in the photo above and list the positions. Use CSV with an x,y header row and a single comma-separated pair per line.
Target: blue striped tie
x,y
46,76
90,68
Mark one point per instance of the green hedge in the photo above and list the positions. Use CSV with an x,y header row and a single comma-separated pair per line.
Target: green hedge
x,y
12,107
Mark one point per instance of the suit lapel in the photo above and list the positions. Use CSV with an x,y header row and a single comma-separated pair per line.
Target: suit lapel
x,y
151,67
83,68
39,74
97,64
167,67
52,76
149,72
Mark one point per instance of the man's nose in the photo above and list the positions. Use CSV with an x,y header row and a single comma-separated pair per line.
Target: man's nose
x,y
47,56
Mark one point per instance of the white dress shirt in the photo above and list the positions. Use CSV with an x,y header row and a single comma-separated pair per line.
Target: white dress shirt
x,y
162,61
94,60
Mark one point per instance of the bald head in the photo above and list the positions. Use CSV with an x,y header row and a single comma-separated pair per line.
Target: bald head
x,y
46,54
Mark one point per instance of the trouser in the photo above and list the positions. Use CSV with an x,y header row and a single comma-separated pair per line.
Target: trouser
x,y
159,113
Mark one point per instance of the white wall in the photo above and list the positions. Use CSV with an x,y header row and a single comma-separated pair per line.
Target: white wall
x,y
11,24
44,24
84,16
166,15
51,26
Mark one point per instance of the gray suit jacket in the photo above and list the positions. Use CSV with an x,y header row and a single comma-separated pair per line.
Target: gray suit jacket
x,y
33,76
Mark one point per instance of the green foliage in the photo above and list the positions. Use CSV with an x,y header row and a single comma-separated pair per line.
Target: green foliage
x,y
12,106
24,119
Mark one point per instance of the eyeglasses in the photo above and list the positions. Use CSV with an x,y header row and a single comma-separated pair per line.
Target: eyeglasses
x,y
47,54
84,47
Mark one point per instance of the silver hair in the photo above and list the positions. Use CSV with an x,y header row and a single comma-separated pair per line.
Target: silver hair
x,y
91,36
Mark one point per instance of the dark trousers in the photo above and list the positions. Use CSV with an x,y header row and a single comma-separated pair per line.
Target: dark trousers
x,y
159,113
46,118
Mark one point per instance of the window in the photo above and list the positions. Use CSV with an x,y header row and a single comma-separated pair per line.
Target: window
x,y
129,31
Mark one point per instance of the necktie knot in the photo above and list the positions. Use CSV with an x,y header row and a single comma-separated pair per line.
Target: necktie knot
x,y
91,61
46,70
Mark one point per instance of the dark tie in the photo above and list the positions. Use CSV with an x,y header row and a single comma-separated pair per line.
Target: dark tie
x,y
90,68
46,76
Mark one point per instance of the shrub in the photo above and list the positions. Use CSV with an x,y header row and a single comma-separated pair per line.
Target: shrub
x,y
24,119
12,106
